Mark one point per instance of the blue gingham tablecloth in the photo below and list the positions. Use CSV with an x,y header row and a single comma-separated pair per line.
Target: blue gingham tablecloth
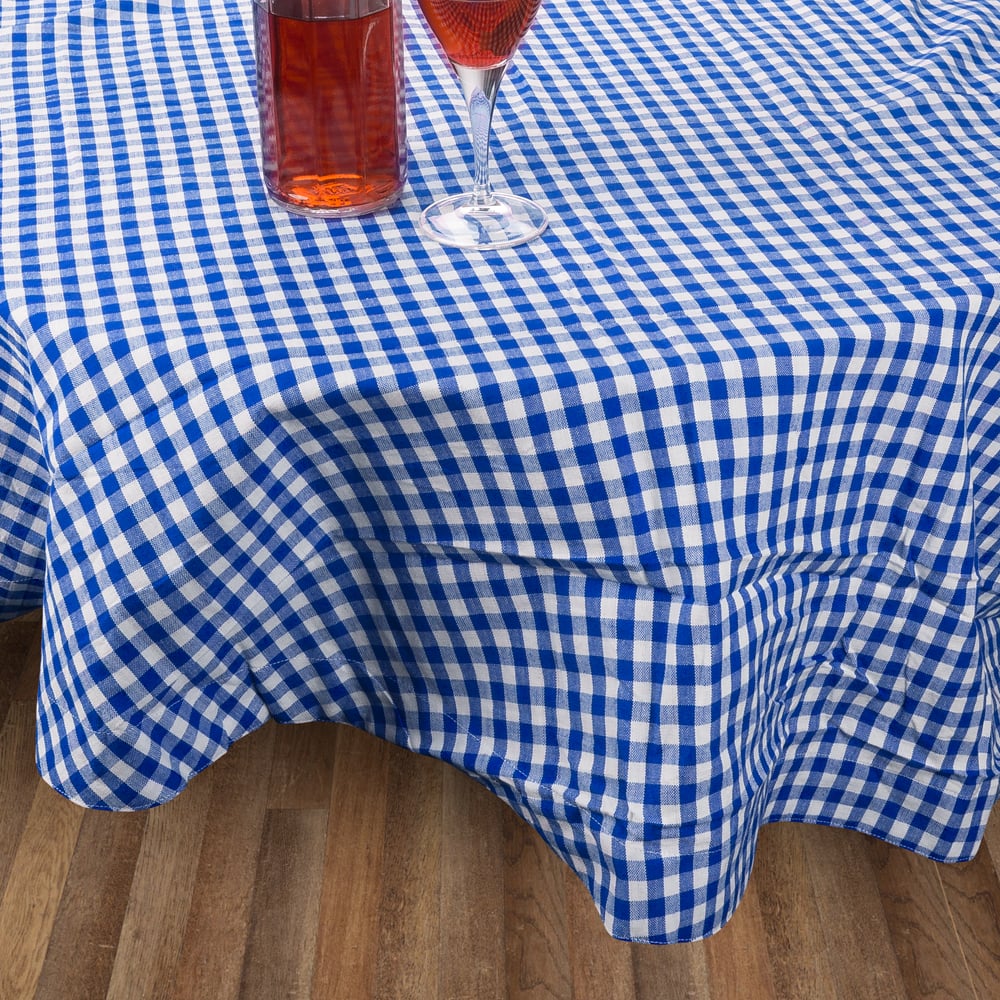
x,y
682,519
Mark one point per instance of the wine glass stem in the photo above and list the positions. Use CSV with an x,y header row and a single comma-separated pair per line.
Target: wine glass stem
x,y
480,87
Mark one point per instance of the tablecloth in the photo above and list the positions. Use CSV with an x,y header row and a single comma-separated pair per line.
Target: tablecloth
x,y
681,519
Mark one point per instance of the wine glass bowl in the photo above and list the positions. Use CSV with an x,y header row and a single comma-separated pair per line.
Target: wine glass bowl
x,y
479,33
479,38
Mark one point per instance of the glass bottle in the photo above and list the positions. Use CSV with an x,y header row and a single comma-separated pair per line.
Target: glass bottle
x,y
330,92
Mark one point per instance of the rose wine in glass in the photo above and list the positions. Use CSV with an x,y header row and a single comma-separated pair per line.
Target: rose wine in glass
x,y
330,94
479,38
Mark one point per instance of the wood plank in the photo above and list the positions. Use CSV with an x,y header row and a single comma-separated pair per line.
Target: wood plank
x,y
931,960
81,951
473,955
410,905
19,781
160,896
991,840
859,946
31,899
20,650
793,929
536,927
19,778
302,772
346,953
26,689
973,896
281,952
218,926
671,970
737,955
600,966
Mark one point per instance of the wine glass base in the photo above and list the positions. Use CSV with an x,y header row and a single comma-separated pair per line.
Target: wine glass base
x,y
505,222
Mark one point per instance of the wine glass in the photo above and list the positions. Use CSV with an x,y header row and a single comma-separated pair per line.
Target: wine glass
x,y
479,38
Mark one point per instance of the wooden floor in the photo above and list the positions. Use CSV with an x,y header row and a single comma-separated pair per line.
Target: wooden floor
x,y
315,861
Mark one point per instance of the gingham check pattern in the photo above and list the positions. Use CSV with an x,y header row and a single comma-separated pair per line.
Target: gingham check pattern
x,y
682,519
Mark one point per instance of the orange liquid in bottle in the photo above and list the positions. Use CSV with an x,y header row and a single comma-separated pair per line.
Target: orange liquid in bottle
x,y
330,94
